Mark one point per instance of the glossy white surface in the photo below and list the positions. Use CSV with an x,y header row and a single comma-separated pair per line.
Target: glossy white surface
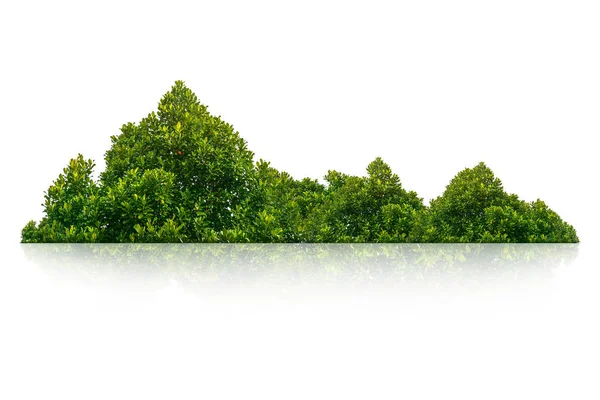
x,y
168,321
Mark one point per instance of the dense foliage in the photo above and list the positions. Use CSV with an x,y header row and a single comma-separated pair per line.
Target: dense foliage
x,y
183,175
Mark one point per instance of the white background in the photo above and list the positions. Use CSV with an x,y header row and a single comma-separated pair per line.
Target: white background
x,y
432,87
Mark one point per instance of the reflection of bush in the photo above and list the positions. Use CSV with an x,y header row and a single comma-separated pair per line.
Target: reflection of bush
x,y
370,264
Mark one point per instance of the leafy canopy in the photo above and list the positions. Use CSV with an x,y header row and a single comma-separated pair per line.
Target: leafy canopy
x,y
184,175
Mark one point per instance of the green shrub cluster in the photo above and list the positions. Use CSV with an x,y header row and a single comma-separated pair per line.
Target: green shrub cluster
x,y
183,175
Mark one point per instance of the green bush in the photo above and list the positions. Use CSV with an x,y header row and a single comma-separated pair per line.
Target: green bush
x,y
375,208
183,175
475,208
